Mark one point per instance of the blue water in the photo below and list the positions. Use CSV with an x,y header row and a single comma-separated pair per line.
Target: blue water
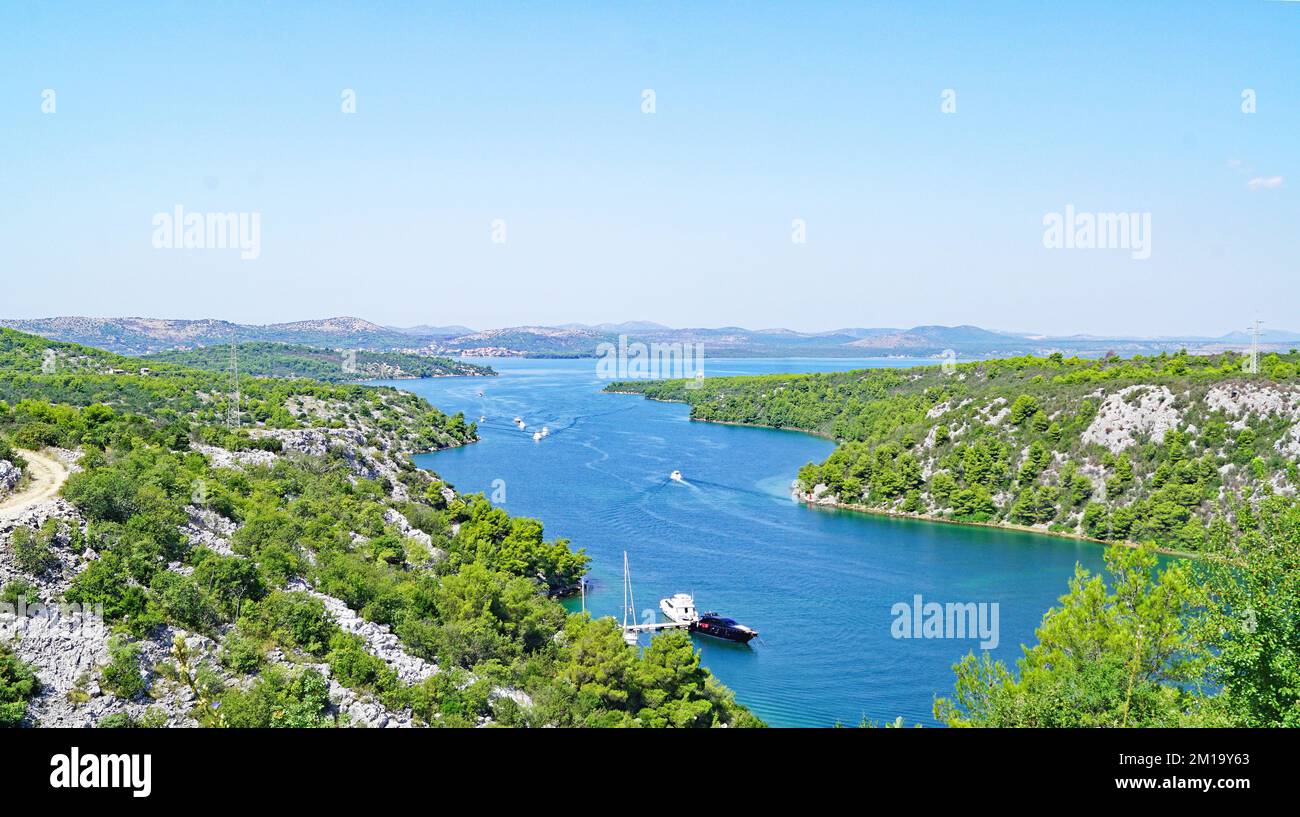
x,y
817,584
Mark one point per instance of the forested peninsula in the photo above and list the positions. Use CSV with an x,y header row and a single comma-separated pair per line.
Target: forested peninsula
x,y
1195,454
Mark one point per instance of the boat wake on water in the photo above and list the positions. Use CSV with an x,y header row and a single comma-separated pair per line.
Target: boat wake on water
x,y
547,429
702,483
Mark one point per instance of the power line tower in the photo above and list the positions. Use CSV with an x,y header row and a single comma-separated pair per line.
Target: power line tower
x,y
1252,362
232,410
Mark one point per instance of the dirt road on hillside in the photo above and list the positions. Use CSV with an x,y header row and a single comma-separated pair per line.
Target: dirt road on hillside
x,y
46,476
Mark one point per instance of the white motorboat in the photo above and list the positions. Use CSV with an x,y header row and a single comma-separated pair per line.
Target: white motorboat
x,y
680,608
676,476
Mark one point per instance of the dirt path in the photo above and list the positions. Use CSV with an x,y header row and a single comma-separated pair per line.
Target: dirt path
x,y
47,476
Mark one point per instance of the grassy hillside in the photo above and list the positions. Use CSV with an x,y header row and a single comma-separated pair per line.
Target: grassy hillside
x,y
297,571
1147,449
326,365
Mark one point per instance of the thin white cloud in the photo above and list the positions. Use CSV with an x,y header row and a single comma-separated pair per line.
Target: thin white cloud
x,y
1265,183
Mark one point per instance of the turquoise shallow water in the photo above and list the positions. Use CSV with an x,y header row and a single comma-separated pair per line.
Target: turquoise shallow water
x,y
818,584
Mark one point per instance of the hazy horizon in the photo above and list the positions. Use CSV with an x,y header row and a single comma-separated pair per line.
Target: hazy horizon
x,y
1210,333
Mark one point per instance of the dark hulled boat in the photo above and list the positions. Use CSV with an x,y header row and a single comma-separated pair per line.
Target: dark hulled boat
x,y
722,627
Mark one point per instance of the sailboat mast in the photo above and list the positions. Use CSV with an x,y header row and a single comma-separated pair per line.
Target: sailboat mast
x,y
629,604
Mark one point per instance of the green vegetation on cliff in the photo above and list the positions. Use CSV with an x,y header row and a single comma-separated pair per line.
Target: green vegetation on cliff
x,y
259,541
1180,452
63,375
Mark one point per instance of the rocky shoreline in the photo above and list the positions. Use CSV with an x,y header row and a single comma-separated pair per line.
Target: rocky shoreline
x,y
814,500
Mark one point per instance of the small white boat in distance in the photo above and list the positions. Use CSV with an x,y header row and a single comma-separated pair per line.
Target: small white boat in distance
x,y
676,476
482,419
680,608
537,436
546,432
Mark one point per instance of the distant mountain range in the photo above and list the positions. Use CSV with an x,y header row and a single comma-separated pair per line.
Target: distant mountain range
x,y
142,336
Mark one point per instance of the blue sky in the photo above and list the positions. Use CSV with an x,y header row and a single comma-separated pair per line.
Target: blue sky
x,y
765,113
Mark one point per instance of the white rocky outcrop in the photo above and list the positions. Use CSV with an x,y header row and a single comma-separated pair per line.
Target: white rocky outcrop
x,y
520,697
396,519
938,409
208,529
315,442
1121,420
223,458
70,459
363,711
1289,445
69,656
820,495
379,641
9,476
1240,400
995,412
51,582
363,460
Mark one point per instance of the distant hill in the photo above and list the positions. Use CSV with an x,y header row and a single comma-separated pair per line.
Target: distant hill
x,y
1265,336
260,359
931,338
625,327
526,341
426,331
143,336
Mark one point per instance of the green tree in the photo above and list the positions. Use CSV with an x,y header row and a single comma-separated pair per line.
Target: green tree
x,y
1252,603
1121,657
1024,407
32,552
122,675
280,698
18,684
1121,477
